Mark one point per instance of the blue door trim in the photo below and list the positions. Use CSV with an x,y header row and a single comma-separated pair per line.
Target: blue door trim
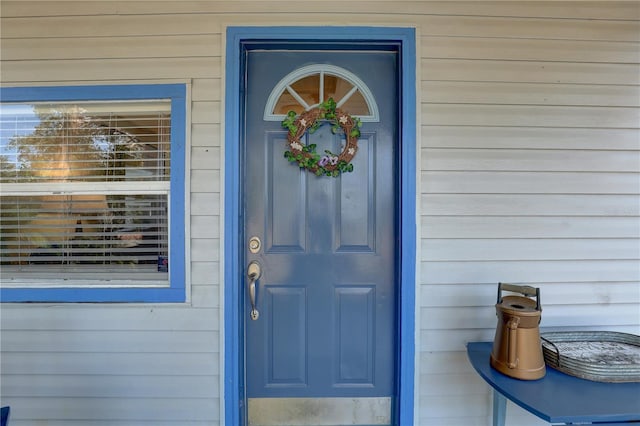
x,y
233,270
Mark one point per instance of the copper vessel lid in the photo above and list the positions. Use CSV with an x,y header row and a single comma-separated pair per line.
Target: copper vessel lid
x,y
519,305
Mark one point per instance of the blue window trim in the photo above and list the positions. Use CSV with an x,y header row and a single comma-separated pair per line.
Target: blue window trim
x,y
236,36
175,292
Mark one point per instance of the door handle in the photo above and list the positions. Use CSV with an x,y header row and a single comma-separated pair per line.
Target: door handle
x,y
253,273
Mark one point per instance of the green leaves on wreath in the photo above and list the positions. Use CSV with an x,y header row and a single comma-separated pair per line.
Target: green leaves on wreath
x,y
289,122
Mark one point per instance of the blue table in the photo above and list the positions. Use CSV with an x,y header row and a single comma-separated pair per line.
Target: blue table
x,y
557,397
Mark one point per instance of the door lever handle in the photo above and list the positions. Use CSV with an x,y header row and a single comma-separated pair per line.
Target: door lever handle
x,y
253,273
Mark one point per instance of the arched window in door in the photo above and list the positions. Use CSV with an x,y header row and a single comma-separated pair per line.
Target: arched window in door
x,y
307,87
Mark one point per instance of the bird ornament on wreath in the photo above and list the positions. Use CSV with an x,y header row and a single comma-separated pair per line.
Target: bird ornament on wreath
x,y
305,156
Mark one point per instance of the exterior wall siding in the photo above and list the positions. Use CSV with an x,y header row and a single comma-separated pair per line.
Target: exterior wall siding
x,y
529,172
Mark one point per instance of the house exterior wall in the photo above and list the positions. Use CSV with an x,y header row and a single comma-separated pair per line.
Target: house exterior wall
x,y
529,146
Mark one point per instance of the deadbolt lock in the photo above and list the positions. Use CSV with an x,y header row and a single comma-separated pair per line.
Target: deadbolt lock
x,y
254,245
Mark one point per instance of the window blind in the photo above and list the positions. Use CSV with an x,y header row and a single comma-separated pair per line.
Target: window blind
x,y
85,142
85,189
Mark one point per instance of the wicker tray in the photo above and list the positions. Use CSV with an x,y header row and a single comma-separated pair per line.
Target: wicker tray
x,y
601,356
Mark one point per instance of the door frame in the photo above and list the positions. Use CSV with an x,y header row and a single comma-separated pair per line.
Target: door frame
x,y
233,270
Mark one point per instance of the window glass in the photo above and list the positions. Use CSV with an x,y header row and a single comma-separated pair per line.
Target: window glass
x,y
286,102
300,93
85,142
335,87
355,104
85,191
308,89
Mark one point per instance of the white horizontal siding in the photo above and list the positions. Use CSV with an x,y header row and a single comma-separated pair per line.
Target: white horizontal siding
x,y
459,249
534,160
478,92
529,227
109,341
487,137
530,168
533,71
533,271
530,182
529,172
109,360
117,364
615,10
86,409
530,116
530,49
579,293
51,48
112,386
567,205
530,204
483,317
131,364
91,70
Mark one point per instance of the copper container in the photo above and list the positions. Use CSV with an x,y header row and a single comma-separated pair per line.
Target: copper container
x,y
517,348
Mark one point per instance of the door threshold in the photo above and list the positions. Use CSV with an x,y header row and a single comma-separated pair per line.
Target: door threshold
x,y
319,411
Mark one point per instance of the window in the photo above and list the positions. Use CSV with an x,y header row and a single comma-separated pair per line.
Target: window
x,y
92,193
309,86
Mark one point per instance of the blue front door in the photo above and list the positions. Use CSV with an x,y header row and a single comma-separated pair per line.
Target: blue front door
x,y
323,250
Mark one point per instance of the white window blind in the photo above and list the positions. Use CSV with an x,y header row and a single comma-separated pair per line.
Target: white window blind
x,y
85,191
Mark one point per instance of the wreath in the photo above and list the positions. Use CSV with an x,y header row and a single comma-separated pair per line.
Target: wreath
x,y
305,156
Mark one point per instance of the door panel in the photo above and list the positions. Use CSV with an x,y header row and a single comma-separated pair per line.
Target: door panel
x,y
286,220
356,220
286,357
327,292
354,335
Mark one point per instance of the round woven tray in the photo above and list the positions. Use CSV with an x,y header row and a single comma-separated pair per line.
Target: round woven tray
x,y
602,356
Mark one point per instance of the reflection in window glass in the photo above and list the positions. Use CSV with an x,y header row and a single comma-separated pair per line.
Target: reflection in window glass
x,y
308,89
335,87
356,104
84,142
287,103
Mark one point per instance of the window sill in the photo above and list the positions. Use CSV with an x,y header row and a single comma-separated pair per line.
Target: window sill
x,y
93,294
